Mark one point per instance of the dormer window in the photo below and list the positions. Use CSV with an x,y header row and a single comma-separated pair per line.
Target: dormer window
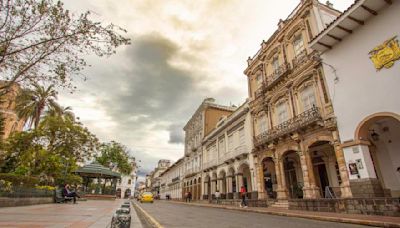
x,y
298,45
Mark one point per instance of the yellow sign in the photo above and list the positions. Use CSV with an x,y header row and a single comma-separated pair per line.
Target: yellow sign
x,y
385,54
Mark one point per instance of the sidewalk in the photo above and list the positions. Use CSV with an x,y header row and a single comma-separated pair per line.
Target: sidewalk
x,y
91,213
369,220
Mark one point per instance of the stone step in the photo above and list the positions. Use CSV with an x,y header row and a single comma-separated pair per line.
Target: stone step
x,y
281,204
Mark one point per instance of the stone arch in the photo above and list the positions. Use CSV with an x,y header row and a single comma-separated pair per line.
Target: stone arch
x,y
231,171
320,138
241,166
359,134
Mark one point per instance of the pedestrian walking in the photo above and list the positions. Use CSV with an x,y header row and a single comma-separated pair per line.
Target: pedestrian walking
x,y
243,195
189,196
217,196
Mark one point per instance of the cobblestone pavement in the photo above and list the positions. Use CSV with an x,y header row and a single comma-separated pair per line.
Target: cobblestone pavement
x,y
181,215
92,213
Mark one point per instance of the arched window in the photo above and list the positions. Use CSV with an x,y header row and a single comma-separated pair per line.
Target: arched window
x,y
282,112
308,98
262,124
298,45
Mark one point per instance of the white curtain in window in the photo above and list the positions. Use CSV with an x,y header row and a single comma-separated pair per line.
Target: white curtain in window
x,y
298,45
275,63
308,98
262,124
282,112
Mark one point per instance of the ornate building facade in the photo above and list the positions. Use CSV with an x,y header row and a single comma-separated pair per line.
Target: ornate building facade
x,y
227,158
171,181
362,49
296,146
200,125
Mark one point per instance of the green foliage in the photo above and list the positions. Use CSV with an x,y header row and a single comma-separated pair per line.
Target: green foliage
x,y
68,179
51,151
115,154
46,187
18,180
32,102
40,41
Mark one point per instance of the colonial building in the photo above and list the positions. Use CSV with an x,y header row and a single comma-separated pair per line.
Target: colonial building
x,y
126,185
200,125
227,159
7,109
361,51
153,180
296,145
171,181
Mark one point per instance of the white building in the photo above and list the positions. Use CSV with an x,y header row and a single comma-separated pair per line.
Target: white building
x,y
171,181
126,185
361,50
227,160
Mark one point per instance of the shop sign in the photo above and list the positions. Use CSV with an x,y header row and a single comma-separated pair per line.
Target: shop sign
x,y
385,54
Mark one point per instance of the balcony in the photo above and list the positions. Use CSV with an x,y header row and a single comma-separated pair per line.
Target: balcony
x,y
302,120
277,75
301,58
234,153
210,164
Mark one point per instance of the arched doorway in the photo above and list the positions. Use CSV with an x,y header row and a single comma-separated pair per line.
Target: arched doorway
x,y
127,193
269,177
383,132
207,187
325,168
214,184
231,183
199,188
245,181
293,174
222,183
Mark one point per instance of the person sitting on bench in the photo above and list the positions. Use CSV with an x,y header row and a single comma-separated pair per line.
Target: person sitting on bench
x,y
68,193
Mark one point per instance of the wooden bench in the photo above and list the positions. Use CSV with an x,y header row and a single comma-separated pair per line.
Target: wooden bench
x,y
59,198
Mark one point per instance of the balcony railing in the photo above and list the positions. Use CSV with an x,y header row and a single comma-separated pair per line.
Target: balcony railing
x,y
235,152
282,69
210,164
304,119
300,58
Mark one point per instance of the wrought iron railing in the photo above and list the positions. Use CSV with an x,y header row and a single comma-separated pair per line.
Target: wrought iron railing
x,y
310,116
300,58
281,70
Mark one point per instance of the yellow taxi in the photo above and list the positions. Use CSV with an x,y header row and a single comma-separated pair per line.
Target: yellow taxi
x,y
147,197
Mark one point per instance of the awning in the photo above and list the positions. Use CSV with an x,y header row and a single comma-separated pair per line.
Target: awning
x,y
96,170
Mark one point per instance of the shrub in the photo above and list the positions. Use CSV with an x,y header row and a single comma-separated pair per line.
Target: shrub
x,y
46,187
18,180
68,179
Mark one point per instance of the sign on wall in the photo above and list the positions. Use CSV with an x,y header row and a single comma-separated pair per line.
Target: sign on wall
x,y
385,54
353,168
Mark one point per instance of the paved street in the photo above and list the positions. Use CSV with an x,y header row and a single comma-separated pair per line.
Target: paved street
x,y
180,215
92,213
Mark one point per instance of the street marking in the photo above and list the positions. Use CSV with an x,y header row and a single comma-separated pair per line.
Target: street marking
x,y
148,216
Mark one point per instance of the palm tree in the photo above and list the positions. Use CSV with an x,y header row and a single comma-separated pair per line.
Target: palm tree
x,y
63,112
32,102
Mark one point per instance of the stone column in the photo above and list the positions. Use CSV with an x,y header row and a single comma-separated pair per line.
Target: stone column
x,y
262,193
345,186
281,190
307,190
313,191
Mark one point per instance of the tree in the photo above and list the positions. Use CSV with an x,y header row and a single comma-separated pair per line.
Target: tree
x,y
63,112
40,41
115,154
32,102
50,151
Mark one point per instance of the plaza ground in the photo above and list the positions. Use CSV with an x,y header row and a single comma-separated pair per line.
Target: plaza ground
x,y
169,214
92,213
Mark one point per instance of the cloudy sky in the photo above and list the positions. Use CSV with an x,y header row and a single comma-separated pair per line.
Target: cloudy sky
x,y
182,52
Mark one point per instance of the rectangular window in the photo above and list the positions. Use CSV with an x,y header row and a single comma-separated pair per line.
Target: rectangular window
x,y
308,98
275,63
282,112
230,143
259,80
221,147
298,45
242,139
262,124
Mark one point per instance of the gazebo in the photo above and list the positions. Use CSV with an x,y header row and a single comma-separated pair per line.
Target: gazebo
x,y
98,181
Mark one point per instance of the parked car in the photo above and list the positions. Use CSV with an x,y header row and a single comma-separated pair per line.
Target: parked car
x,y
147,197
121,218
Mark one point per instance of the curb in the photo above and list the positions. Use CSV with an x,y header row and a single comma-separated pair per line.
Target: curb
x,y
305,216
147,216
